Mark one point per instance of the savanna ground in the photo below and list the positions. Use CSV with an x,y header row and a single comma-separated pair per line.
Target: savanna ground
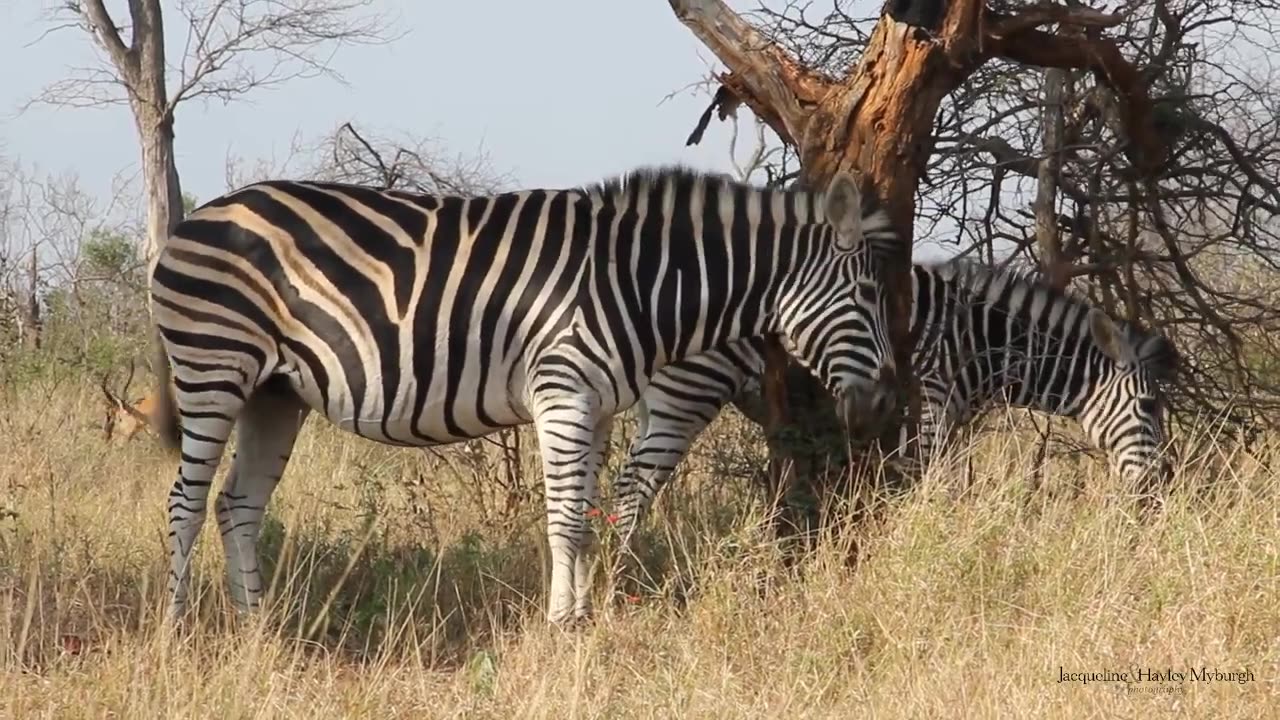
x,y
411,584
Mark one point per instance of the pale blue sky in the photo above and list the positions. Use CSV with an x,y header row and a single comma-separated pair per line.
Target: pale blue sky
x,y
557,93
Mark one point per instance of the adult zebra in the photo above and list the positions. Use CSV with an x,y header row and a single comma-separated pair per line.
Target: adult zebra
x,y
421,320
985,334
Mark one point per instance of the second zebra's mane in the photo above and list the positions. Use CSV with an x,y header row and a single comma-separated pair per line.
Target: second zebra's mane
x,y
1024,286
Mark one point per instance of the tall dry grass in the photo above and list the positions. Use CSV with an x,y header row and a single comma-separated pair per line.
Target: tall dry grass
x,y
402,588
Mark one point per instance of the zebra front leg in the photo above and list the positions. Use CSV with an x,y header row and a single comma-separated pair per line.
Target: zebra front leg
x,y
629,515
666,431
268,428
567,431
933,430
204,437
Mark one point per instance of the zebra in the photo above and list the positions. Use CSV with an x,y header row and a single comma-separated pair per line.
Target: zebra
x,y
984,334
420,320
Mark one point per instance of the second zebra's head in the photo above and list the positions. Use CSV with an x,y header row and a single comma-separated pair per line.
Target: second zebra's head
x,y
1124,413
834,316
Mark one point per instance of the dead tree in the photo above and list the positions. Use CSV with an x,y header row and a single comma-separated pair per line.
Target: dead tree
x,y
32,321
232,48
877,120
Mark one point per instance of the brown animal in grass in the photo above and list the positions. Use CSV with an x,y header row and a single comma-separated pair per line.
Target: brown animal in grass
x,y
125,418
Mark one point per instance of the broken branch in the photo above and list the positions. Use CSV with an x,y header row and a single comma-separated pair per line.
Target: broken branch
x,y
763,75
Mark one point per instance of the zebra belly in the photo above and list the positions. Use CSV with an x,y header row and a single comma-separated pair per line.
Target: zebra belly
x,y
399,418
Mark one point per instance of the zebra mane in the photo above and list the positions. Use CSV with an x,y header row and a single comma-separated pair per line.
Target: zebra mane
x,y
877,227
654,176
990,283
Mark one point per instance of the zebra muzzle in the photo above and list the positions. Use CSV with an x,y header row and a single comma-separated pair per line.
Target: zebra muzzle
x,y
865,413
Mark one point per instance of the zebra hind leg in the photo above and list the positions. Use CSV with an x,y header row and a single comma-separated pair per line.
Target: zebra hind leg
x,y
267,429
567,439
206,413
582,569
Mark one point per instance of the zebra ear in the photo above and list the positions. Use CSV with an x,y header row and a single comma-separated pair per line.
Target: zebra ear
x,y
844,211
1106,334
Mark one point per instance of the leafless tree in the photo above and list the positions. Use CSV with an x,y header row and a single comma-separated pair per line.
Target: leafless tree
x,y
349,154
1140,165
73,293
10,318
232,47
413,163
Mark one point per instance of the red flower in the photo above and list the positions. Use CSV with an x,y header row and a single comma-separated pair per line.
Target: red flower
x,y
594,512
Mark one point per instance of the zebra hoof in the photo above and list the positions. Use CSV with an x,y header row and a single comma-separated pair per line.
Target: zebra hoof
x,y
571,623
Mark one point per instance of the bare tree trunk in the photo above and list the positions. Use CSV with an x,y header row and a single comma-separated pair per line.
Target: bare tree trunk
x,y
1055,266
154,119
781,475
141,67
224,42
160,174
32,324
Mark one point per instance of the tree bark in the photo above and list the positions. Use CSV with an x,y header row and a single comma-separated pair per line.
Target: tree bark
x,y
32,323
1056,267
154,118
141,67
877,121
160,180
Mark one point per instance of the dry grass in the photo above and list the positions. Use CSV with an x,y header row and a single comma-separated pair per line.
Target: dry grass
x,y
402,591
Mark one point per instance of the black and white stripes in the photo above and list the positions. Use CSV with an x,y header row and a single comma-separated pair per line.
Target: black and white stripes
x,y
421,320
984,335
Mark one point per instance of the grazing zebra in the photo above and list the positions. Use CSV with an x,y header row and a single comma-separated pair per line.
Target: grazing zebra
x,y
985,335
420,320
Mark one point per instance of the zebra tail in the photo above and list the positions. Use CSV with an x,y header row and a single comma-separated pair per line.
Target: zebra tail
x,y
165,417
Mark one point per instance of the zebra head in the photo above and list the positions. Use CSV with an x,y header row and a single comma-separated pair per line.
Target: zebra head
x,y
1124,411
834,316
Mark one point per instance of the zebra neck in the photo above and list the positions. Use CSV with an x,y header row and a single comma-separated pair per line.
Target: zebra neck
x,y
1032,363
729,287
